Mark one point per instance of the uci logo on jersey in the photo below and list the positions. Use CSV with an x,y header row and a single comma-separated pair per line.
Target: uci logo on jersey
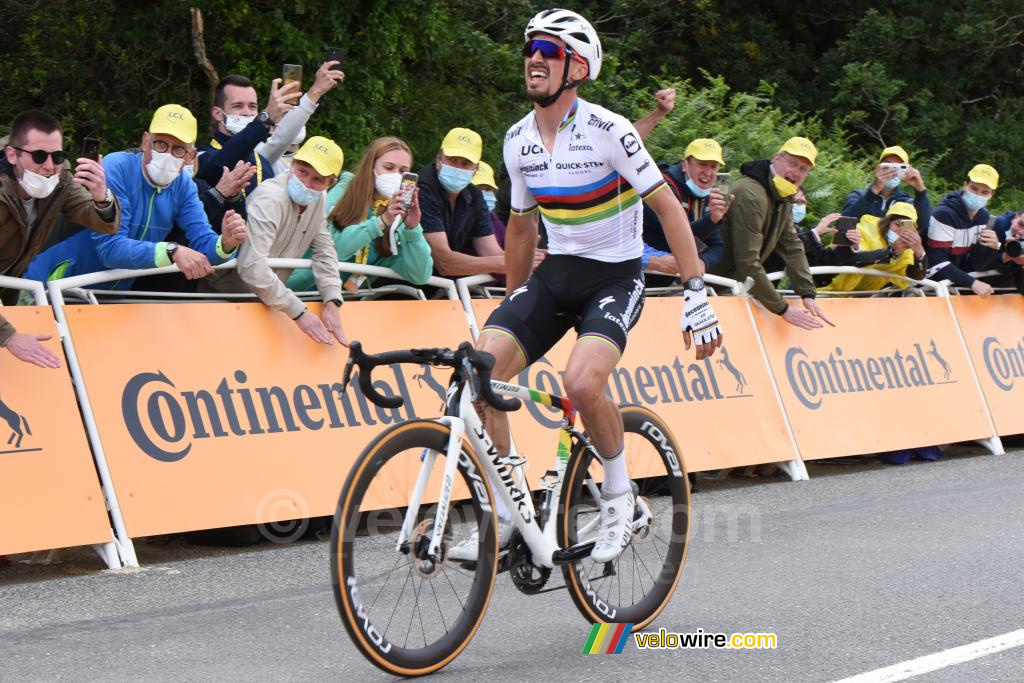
x,y
630,144
531,149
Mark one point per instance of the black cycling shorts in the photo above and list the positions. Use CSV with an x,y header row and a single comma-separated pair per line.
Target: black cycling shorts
x,y
596,298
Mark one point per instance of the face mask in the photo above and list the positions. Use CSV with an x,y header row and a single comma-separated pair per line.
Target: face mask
x,y
300,194
891,236
387,184
236,124
163,168
490,200
189,170
799,212
38,186
892,183
454,179
697,191
783,187
974,202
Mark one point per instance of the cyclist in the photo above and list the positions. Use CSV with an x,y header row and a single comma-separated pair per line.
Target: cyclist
x,y
586,171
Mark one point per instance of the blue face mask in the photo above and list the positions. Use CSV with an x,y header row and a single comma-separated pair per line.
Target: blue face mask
x,y
299,193
974,202
892,183
697,191
454,179
489,199
799,212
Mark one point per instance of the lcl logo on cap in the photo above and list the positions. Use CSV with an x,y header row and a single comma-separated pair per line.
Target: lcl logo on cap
x,y
465,138
175,115
321,148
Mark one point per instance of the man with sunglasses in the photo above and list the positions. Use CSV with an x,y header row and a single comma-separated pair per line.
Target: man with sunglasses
x,y
35,189
585,170
155,196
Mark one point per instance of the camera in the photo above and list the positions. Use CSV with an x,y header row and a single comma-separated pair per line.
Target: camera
x,y
1014,246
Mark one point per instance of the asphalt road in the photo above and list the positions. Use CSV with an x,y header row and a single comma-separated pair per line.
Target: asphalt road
x,y
863,567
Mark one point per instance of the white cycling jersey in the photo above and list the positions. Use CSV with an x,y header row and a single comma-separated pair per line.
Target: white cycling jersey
x,y
589,188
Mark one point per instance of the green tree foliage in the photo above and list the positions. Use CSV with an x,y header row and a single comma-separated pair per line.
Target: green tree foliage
x,y
941,79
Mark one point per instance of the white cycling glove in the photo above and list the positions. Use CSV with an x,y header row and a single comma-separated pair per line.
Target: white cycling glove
x,y
699,318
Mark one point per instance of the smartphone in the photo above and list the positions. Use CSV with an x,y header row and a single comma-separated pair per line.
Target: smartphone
x,y
406,189
91,148
336,54
291,72
843,223
722,183
901,169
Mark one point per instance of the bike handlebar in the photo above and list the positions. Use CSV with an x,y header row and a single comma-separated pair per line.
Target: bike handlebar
x,y
481,361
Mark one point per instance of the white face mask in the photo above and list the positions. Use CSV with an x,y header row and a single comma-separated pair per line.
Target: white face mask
x,y
236,124
163,168
38,186
387,184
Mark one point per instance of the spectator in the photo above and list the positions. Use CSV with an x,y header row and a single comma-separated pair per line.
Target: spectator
x,y
286,215
484,179
239,126
817,253
876,198
362,208
898,236
454,215
155,196
760,223
960,237
34,190
692,181
1010,226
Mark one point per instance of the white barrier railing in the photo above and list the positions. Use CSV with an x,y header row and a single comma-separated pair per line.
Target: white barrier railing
x,y
37,289
939,288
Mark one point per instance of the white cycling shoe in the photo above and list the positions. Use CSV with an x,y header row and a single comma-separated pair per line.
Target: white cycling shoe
x,y
616,526
466,551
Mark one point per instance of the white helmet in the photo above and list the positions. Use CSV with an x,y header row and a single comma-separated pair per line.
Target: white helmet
x,y
575,31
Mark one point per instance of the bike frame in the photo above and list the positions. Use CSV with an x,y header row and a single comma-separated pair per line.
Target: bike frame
x,y
465,423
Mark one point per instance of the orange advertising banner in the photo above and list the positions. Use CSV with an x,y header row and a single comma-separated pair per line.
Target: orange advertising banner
x,y
891,374
49,492
994,330
222,414
722,410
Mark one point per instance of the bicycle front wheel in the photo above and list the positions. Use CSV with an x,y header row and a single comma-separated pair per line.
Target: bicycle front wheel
x,y
408,613
636,586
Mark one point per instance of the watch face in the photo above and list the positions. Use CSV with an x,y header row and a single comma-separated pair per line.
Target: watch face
x,y
695,283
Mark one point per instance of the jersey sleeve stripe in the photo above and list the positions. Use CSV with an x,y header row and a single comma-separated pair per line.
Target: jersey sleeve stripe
x,y
522,212
656,187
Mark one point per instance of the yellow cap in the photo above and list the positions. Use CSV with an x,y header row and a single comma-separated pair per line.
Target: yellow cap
x,y
985,174
904,209
322,154
896,151
176,120
704,149
801,147
485,176
462,142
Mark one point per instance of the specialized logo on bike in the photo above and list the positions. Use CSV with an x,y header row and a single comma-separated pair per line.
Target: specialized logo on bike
x,y
19,429
1005,364
712,379
812,379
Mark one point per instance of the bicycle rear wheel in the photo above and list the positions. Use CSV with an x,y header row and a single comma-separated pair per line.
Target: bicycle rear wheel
x,y
637,585
407,613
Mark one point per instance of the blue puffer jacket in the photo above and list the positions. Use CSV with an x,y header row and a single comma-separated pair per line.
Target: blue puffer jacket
x,y
147,216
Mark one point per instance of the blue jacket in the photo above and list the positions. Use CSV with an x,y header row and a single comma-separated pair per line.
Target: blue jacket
x,y
235,148
953,248
861,202
147,216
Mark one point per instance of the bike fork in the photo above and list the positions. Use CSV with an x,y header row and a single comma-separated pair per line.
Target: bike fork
x,y
458,431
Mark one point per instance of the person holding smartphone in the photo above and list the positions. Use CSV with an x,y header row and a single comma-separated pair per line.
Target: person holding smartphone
x,y
362,208
891,173
35,189
896,236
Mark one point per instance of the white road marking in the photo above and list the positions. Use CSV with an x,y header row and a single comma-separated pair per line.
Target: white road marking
x,y
940,660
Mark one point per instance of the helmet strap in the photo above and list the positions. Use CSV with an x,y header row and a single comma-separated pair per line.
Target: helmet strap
x,y
566,84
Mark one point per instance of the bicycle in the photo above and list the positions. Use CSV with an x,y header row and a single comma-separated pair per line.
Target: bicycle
x,y
393,584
